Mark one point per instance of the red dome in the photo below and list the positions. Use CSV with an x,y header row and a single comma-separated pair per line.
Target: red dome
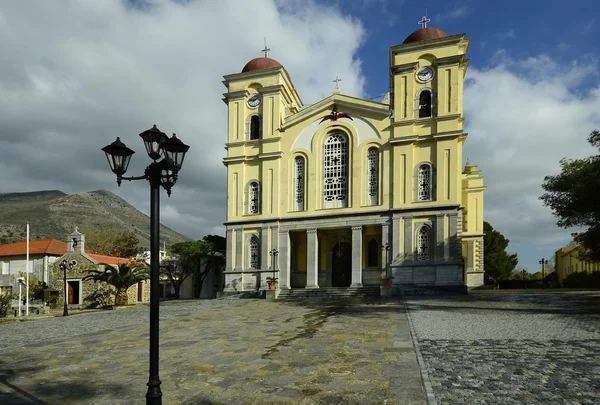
x,y
425,34
260,63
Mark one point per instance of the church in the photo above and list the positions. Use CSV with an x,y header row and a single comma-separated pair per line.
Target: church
x,y
343,191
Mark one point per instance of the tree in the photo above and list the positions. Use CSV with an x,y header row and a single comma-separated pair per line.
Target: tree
x,y
113,242
176,272
573,197
121,277
498,264
201,257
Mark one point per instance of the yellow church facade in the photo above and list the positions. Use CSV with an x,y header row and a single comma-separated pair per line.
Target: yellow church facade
x,y
336,193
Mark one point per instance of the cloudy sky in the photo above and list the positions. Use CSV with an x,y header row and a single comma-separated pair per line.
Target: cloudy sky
x,y
76,74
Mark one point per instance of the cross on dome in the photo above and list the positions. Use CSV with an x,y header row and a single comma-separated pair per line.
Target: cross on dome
x,y
424,21
266,50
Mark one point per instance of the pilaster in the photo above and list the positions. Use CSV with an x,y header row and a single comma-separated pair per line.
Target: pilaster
x,y
385,254
408,240
229,250
312,256
440,241
264,248
239,246
283,263
356,256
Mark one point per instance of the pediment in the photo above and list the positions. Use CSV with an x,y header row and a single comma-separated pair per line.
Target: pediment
x,y
344,104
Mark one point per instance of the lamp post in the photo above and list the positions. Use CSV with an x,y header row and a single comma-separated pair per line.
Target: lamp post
x,y
274,254
63,266
162,173
386,248
543,262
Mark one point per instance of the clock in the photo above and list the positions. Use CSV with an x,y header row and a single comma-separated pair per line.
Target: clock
x,y
254,100
425,74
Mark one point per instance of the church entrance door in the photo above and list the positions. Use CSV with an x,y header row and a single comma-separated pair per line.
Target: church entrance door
x,y
341,265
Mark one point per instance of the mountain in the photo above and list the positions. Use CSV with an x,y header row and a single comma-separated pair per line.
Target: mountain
x,y
53,215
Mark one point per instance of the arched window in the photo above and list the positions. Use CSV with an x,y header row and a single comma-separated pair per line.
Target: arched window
x,y
424,182
253,195
372,176
254,127
424,243
425,104
299,176
335,169
372,254
254,253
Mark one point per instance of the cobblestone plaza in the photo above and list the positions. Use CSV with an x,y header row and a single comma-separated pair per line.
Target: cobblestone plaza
x,y
490,348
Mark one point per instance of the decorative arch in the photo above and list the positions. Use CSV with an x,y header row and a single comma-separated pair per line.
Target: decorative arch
x,y
335,169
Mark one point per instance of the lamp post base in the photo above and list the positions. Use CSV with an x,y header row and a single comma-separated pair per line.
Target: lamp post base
x,y
154,394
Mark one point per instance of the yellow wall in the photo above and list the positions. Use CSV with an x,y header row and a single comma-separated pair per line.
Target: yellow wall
x,y
568,263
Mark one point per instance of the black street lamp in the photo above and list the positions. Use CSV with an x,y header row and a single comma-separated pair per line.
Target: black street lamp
x,y
386,248
274,254
63,266
163,173
543,263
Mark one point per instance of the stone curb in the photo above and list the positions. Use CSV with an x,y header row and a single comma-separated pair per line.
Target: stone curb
x,y
424,375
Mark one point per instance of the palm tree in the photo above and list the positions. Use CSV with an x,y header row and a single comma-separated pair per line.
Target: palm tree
x,y
121,277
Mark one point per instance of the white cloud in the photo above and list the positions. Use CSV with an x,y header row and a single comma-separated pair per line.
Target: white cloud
x,y
74,75
523,116
508,34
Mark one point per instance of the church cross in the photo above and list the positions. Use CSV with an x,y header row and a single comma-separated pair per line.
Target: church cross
x,y
424,21
337,80
266,50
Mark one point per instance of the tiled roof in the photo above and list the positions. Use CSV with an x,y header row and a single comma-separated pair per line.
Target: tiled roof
x,y
52,247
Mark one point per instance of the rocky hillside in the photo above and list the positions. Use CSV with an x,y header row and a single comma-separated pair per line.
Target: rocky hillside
x,y
54,214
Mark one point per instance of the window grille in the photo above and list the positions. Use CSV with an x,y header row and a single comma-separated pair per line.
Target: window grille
x,y
254,196
299,183
373,175
335,182
424,183
424,243
254,257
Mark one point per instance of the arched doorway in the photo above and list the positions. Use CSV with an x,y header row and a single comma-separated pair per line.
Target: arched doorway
x,y
341,265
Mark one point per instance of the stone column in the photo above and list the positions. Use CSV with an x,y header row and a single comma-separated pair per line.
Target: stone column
x,y
408,240
283,261
312,259
356,256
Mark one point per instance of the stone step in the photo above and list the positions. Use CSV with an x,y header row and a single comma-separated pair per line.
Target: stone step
x,y
329,292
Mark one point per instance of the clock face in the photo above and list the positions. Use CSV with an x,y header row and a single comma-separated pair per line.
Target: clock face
x,y
425,74
254,100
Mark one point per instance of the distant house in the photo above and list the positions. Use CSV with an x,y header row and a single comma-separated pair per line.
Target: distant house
x,y
44,259
568,262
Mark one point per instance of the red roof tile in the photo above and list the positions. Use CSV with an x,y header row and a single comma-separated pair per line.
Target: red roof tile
x,y
53,247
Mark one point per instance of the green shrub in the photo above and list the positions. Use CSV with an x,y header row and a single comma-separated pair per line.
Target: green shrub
x,y
5,304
